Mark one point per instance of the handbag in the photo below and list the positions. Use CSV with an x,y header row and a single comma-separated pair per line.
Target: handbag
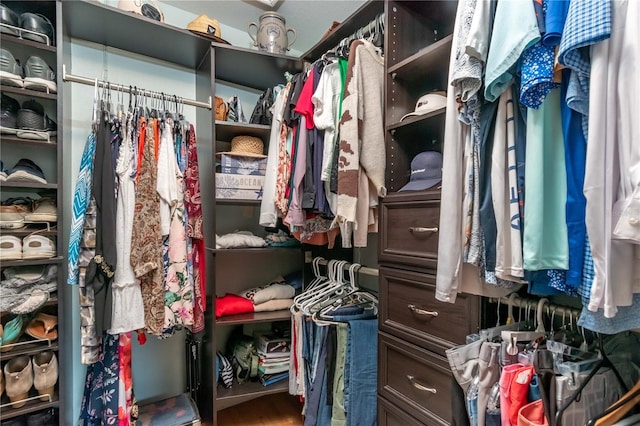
x,y
221,109
262,111
244,358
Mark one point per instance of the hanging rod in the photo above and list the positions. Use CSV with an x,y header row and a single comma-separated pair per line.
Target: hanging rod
x,y
363,269
530,303
90,82
366,30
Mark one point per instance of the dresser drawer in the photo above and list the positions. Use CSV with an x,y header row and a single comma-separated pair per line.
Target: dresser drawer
x,y
414,380
409,309
409,229
390,415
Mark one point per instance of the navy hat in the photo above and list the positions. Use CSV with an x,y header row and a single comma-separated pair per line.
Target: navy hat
x,y
426,171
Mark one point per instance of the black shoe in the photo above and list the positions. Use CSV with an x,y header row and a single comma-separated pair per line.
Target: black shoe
x,y
9,17
42,418
8,115
31,117
38,24
15,421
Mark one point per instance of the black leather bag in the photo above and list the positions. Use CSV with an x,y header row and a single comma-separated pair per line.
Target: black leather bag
x,y
262,112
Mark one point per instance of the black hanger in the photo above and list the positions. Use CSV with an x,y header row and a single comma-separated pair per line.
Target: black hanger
x,y
604,362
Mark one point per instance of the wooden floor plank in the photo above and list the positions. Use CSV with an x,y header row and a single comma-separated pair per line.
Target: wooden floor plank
x,y
272,410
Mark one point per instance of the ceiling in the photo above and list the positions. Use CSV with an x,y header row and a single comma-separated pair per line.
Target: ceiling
x,y
309,18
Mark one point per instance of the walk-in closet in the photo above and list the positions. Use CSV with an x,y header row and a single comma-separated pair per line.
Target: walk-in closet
x,y
319,213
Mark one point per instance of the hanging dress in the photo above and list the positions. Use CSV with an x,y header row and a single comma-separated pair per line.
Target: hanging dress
x,y
146,240
127,304
178,295
195,233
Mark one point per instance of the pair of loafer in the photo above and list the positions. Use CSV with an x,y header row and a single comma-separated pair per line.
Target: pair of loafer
x,y
38,27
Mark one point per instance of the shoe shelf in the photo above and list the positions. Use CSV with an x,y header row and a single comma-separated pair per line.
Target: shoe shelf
x,y
52,143
30,262
28,347
34,403
23,232
34,185
6,38
28,92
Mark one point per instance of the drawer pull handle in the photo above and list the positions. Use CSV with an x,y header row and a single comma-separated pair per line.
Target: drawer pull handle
x,y
419,311
415,384
422,230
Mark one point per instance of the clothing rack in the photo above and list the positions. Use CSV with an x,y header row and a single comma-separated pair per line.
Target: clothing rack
x,y
119,87
532,304
363,269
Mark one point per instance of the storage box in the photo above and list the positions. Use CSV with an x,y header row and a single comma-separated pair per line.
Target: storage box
x,y
239,187
236,164
176,411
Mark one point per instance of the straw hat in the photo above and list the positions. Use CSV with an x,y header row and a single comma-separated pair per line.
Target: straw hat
x,y
207,27
246,146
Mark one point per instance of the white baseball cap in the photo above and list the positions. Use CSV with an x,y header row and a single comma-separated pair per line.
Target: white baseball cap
x,y
427,103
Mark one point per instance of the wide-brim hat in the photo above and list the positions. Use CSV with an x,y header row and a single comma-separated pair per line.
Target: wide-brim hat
x,y
207,27
246,146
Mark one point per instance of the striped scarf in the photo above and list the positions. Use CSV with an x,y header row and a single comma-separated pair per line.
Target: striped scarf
x,y
81,198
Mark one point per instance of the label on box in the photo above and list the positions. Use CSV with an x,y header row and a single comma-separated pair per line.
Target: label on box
x,y
238,194
239,187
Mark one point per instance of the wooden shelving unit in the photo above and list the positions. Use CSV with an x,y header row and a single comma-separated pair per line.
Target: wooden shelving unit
x,y
41,152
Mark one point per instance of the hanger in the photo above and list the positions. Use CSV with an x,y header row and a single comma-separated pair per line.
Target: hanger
x,y
335,286
618,410
339,297
318,280
603,362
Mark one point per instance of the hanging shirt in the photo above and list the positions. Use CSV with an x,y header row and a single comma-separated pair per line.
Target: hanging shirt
x,y
515,29
268,213
613,159
545,243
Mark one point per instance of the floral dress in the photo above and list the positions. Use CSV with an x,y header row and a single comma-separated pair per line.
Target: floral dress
x,y
178,294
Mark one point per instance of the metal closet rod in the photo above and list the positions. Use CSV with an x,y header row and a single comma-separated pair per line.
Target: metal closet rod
x,y
90,82
521,302
363,269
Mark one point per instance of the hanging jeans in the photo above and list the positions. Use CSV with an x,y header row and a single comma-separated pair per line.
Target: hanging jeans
x,y
361,373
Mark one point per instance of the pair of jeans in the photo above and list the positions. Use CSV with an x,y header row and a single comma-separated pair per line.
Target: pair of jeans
x,y
315,409
361,372
338,411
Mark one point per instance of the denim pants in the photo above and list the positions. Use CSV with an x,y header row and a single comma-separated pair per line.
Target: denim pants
x,y
338,412
316,391
361,373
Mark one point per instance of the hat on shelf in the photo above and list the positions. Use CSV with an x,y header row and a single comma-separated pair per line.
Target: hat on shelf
x,y
426,171
148,8
246,146
207,27
427,103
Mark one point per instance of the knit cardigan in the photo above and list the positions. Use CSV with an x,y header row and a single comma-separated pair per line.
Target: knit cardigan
x,y
362,148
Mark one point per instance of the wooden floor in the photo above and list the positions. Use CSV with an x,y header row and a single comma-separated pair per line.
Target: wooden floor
x,y
279,409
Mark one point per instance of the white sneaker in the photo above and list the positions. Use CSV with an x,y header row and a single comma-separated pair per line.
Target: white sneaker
x,y
10,248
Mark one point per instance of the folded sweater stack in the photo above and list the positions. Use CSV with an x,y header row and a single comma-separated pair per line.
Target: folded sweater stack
x,y
274,296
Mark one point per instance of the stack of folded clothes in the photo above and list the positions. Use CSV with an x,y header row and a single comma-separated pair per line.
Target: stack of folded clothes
x,y
274,296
